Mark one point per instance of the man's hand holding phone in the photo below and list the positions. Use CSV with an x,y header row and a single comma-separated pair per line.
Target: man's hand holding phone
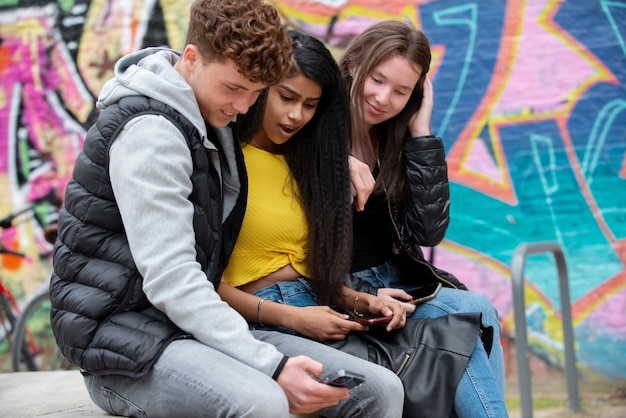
x,y
307,395
344,379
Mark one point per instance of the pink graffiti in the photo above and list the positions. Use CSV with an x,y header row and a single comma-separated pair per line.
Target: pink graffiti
x,y
344,18
488,278
549,66
39,84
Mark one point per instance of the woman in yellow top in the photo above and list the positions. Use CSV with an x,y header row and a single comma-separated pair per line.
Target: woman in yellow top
x,y
298,218
288,269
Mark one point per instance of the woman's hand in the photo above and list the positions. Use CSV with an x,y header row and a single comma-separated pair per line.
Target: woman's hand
x,y
322,323
378,306
420,122
397,295
362,182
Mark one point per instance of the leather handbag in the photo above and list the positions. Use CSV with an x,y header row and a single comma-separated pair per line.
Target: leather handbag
x,y
429,355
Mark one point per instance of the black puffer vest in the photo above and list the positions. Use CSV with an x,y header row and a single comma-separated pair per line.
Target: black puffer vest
x,y
101,318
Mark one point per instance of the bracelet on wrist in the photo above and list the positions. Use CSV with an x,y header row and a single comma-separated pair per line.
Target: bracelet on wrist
x,y
258,312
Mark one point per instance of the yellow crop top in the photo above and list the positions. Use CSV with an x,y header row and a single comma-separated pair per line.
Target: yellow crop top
x,y
274,230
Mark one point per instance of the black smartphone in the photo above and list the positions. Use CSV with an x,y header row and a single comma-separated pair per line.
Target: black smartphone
x,y
424,293
344,378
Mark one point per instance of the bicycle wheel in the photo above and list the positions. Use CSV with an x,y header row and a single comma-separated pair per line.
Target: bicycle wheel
x,y
9,321
34,346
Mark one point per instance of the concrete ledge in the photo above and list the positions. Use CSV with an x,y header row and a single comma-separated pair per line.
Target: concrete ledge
x,y
58,394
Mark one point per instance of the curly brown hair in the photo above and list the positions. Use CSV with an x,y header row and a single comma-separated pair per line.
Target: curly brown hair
x,y
248,32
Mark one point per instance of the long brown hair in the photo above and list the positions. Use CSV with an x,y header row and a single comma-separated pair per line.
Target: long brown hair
x,y
373,46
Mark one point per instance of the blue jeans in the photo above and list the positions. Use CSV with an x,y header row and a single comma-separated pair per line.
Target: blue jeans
x,y
481,389
191,379
477,395
295,293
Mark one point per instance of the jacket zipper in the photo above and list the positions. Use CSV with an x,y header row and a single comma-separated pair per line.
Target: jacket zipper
x,y
395,227
407,356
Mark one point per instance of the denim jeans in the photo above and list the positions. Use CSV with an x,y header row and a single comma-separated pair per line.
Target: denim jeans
x,y
294,293
191,379
481,390
478,393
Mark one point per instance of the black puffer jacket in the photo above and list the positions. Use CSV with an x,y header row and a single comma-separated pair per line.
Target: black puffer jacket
x,y
424,218
100,316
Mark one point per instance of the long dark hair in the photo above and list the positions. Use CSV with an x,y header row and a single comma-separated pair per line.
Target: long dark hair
x,y
317,156
371,47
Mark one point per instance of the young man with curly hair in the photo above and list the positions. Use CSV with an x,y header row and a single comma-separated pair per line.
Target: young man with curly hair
x,y
149,221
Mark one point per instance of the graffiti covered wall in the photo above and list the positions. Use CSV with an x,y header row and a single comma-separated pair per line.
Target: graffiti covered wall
x,y
530,100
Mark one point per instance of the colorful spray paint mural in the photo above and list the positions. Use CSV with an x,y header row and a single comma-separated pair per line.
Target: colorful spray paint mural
x,y
530,100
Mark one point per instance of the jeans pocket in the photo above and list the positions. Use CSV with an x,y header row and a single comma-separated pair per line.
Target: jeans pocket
x,y
118,405
376,276
297,293
294,293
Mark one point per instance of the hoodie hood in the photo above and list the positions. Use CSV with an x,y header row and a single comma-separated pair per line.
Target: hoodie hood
x,y
150,72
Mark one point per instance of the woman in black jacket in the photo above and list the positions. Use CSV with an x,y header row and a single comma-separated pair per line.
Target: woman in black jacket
x,y
397,159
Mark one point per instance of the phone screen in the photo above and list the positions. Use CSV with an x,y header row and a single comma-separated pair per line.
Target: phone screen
x,y
424,293
344,378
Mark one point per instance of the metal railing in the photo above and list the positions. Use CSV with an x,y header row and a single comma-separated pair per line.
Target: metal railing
x,y
521,339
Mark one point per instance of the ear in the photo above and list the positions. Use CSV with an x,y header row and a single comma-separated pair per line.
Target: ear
x,y
191,57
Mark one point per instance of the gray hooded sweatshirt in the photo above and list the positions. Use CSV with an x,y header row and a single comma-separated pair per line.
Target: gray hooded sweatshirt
x,y
150,169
